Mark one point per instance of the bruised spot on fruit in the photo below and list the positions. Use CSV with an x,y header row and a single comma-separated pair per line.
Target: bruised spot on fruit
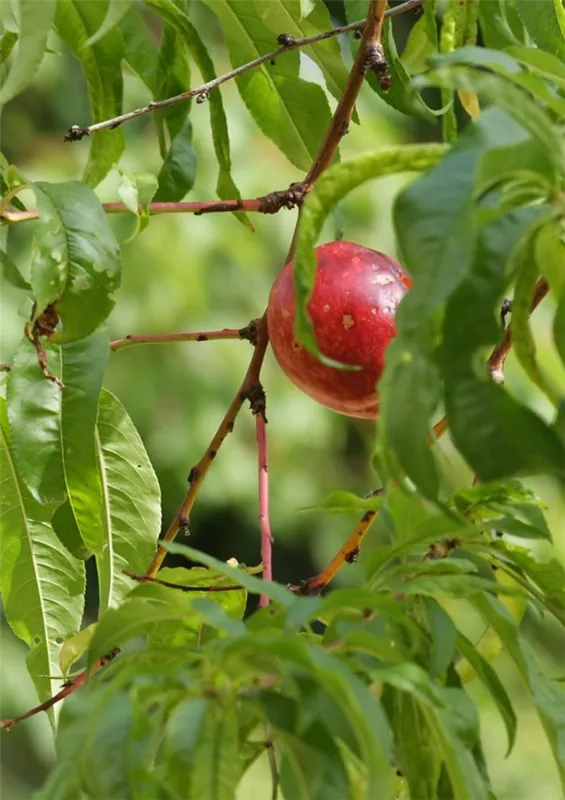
x,y
352,305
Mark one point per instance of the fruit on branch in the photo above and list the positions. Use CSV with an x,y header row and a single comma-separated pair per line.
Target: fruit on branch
x,y
352,309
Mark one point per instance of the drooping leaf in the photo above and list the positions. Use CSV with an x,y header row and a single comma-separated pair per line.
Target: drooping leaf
x,y
546,695
76,22
312,766
131,507
489,678
42,585
178,171
117,9
172,77
35,23
443,634
11,273
216,767
284,16
417,754
226,187
76,266
498,436
74,647
545,23
292,112
339,502
500,24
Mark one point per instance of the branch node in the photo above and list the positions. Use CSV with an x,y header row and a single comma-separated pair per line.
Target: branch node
x,y
286,40
192,475
76,133
203,96
257,400
284,198
375,61
249,332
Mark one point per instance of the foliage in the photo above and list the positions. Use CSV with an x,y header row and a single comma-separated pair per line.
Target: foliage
x,y
361,692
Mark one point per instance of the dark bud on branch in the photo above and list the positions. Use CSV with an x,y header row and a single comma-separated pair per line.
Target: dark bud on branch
x,y
377,63
203,96
285,40
76,133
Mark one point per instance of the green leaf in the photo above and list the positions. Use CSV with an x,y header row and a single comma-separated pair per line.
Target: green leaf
x,y
53,429
434,220
65,526
312,766
291,112
559,327
42,585
275,591
444,635
11,273
183,734
178,171
498,436
549,250
365,715
401,94
332,187
233,602
35,23
216,768
140,50
500,24
339,502
8,41
171,79
489,678
545,23
547,697
76,265
34,409
226,187
131,505
76,22
420,45
540,62
117,9
417,754
284,16
74,647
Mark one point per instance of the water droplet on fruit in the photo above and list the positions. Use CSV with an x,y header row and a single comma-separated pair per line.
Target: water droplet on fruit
x,y
383,280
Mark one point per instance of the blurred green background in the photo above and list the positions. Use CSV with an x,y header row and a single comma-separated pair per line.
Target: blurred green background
x,y
186,273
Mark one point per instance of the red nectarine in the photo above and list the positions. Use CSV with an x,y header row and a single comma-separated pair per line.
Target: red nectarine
x,y
352,309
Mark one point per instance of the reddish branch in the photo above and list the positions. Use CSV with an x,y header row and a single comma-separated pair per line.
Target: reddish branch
x,y
267,204
500,353
249,332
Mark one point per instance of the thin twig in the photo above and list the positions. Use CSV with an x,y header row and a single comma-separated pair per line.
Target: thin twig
x,y
248,332
500,353
269,203
264,518
169,585
202,93
199,472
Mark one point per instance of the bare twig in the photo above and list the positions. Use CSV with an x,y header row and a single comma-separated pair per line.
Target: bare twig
x,y
287,43
169,585
249,332
500,353
267,204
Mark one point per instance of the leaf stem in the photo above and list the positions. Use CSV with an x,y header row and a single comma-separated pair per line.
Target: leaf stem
x,y
202,92
264,519
169,585
500,353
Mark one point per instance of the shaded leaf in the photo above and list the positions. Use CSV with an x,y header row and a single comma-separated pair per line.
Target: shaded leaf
x,y
131,506
42,584
293,113
76,265
35,23
177,174
116,10
339,502
76,22
545,22
11,273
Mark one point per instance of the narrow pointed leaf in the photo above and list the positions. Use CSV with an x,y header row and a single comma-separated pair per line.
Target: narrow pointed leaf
x,y
42,585
131,505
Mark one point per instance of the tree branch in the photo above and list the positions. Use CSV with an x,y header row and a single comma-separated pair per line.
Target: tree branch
x,y
247,391
249,332
264,518
287,43
267,204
